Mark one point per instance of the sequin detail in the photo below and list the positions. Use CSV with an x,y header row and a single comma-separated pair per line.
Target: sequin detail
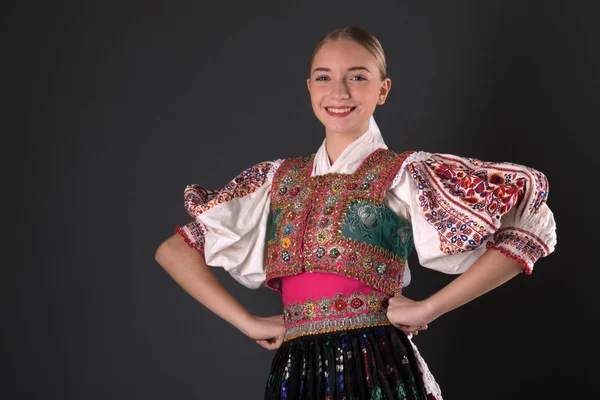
x,y
368,363
336,324
336,306
336,221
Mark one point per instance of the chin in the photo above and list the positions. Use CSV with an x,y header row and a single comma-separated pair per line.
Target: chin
x,y
341,126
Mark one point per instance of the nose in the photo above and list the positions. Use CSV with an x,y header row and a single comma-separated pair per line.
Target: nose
x,y
340,90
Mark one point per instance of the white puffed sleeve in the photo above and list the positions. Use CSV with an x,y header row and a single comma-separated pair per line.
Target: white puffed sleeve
x,y
460,206
229,225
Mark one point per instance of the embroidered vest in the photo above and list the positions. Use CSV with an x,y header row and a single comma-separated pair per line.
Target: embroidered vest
x,y
337,223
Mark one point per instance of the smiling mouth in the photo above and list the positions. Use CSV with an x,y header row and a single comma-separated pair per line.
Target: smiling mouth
x,y
339,111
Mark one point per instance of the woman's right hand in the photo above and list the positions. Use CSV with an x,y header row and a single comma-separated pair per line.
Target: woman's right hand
x,y
266,331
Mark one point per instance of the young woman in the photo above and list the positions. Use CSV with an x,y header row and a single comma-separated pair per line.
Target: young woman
x,y
332,232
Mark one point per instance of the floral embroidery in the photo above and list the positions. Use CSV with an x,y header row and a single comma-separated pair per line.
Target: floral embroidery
x,y
336,306
199,200
337,222
195,195
466,202
540,193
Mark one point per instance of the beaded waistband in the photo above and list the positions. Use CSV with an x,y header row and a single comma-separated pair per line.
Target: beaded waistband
x,y
335,313
336,324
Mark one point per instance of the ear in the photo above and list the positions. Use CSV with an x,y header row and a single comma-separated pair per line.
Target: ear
x,y
308,84
384,90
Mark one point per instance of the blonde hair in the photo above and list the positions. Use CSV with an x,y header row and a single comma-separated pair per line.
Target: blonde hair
x,y
360,36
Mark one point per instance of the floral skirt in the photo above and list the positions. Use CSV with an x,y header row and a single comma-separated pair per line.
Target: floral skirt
x,y
375,363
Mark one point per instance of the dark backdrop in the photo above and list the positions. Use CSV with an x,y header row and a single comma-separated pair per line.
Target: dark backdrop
x,y
112,108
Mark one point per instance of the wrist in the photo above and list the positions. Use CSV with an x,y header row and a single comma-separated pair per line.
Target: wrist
x,y
244,323
432,310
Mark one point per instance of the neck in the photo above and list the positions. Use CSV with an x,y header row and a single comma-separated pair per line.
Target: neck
x,y
336,143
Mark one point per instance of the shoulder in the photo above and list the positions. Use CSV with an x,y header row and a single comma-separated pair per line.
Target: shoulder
x,y
198,199
295,160
409,156
487,188
293,165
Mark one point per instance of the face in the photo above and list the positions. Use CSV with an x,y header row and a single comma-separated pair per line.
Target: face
x,y
345,87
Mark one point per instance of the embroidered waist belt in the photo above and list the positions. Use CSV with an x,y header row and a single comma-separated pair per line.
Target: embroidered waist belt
x,y
330,314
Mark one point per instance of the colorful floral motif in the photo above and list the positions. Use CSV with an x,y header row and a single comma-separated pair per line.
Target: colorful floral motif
x,y
196,197
336,306
199,200
466,202
540,187
317,216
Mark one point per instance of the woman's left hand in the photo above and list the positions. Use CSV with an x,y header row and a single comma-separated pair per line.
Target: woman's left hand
x,y
408,315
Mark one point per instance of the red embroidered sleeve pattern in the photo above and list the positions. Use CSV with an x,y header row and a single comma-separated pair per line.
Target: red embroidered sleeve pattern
x,y
198,200
520,245
540,196
539,193
465,198
517,237
193,234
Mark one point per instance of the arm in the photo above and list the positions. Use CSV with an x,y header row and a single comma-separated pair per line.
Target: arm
x,y
188,268
490,270
462,191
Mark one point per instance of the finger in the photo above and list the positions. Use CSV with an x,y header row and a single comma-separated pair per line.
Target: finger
x,y
398,299
411,329
270,344
273,345
263,343
406,328
279,342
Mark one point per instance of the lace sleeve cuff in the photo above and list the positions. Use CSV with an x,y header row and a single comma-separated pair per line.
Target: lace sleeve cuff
x,y
193,234
520,245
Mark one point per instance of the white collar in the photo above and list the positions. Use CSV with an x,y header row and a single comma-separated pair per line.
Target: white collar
x,y
353,154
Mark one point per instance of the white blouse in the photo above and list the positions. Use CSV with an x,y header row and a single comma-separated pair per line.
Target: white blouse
x,y
457,206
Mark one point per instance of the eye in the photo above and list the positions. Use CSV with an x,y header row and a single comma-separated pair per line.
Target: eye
x,y
322,78
358,78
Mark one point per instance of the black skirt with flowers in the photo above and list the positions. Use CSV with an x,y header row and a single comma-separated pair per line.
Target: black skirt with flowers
x,y
375,363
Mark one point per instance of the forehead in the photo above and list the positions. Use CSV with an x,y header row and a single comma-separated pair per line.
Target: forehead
x,y
341,53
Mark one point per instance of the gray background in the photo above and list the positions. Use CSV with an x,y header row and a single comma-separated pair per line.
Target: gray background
x,y
114,107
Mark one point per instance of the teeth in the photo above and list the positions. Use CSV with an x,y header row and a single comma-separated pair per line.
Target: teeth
x,y
339,110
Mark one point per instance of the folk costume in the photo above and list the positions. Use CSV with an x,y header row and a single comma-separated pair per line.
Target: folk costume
x,y
334,241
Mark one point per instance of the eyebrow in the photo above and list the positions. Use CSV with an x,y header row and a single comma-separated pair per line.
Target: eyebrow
x,y
349,69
